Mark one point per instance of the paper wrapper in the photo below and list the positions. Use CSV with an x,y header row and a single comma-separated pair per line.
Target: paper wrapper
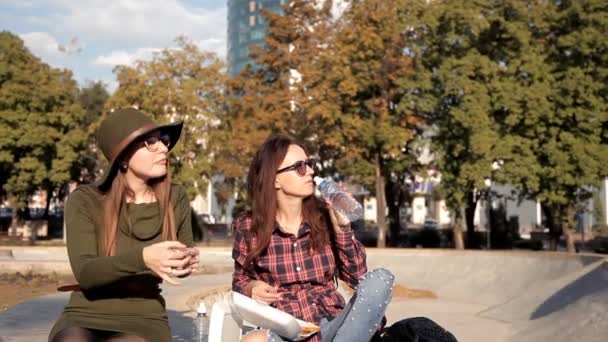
x,y
306,329
267,317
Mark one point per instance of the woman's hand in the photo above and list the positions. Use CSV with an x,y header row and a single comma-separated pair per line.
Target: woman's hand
x,y
263,292
194,259
340,223
169,259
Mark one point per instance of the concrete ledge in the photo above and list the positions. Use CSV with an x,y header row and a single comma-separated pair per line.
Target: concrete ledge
x,y
40,267
509,295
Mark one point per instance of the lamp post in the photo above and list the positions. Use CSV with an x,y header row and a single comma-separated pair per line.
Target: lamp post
x,y
488,184
496,165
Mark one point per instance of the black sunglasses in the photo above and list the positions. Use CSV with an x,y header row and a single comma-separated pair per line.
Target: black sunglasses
x,y
152,142
300,166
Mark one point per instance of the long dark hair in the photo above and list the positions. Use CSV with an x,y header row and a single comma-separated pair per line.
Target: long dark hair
x,y
263,198
115,197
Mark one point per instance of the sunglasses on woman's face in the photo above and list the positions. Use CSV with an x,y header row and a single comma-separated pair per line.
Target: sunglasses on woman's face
x,y
153,142
300,166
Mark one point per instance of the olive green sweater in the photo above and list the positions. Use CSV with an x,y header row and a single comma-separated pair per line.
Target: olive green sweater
x,y
119,293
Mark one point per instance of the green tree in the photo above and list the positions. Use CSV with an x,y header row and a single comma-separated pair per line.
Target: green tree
x,y
518,82
180,83
42,125
562,141
460,50
599,218
371,122
278,94
92,98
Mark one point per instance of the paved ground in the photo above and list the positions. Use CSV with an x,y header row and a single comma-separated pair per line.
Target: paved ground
x,y
482,296
32,320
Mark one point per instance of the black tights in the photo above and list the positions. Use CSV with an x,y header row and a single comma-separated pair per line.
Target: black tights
x,y
78,334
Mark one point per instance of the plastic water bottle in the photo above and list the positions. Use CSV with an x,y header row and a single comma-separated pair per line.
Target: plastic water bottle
x,y
201,324
342,201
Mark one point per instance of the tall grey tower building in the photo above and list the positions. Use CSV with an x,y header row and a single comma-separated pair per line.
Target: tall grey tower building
x,y
246,26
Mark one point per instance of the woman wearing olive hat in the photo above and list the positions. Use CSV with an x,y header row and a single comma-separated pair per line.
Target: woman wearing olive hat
x,y
125,235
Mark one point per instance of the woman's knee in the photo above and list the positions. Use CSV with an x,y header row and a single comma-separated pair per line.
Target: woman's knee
x,y
378,281
74,334
256,336
382,276
383,273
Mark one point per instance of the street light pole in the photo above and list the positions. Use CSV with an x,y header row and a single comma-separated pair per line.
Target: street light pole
x,y
488,183
496,165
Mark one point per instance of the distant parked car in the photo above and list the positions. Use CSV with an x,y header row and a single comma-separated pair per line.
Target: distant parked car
x,y
36,213
206,228
599,244
6,212
366,232
56,211
6,215
430,224
206,219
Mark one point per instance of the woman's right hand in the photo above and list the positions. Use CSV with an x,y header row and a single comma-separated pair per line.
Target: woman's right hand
x,y
167,259
263,292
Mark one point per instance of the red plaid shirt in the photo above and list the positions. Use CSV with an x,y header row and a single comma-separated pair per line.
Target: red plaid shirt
x,y
305,277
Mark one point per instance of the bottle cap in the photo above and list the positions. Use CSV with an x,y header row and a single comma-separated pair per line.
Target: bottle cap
x,y
202,309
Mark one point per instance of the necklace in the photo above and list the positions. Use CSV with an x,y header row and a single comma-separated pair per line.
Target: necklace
x,y
148,196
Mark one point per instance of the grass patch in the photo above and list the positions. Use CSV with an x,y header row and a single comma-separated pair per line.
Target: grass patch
x,y
19,287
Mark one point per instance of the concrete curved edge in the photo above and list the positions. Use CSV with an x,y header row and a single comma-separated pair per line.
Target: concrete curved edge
x,y
512,296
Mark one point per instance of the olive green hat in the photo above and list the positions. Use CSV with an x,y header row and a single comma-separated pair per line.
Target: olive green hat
x,y
121,128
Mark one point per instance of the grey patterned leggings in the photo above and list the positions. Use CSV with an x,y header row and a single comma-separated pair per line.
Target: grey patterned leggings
x,y
362,314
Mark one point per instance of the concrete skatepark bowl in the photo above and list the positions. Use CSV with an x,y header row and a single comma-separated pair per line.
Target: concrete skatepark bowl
x,y
506,296
481,296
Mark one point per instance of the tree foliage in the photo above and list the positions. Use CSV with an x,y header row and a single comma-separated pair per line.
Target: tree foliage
x,y
565,139
278,93
365,102
42,125
521,82
332,85
180,83
92,98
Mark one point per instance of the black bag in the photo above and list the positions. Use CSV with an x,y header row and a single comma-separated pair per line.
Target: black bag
x,y
416,329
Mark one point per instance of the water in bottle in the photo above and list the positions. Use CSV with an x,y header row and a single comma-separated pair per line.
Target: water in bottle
x,y
201,327
341,200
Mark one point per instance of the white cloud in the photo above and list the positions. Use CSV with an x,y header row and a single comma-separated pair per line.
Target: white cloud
x,y
122,57
41,44
118,32
214,45
338,7
111,86
131,23
16,4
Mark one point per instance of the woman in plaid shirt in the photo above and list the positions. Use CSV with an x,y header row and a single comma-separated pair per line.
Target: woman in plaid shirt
x,y
290,248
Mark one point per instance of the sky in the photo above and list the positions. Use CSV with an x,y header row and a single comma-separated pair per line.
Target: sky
x,y
91,37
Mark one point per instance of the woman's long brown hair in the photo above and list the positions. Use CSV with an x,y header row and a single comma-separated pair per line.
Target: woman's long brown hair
x,y
116,196
263,198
